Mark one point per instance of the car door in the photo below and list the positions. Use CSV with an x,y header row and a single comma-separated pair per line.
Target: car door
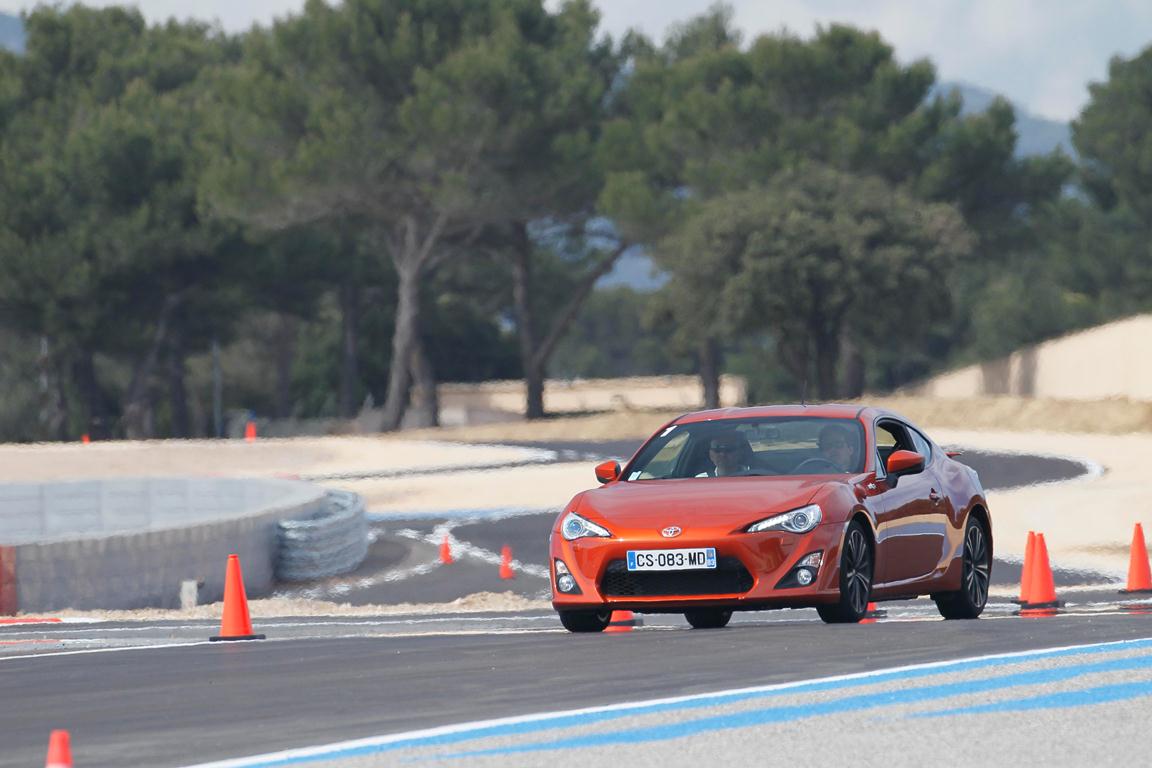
x,y
912,518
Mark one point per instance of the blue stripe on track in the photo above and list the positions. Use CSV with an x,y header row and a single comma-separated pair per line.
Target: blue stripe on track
x,y
855,703
580,719
1103,694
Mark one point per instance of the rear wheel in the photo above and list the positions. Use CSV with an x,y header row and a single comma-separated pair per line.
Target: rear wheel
x,y
708,618
855,579
586,621
968,602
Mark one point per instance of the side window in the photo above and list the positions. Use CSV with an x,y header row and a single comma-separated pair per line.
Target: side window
x,y
923,447
886,441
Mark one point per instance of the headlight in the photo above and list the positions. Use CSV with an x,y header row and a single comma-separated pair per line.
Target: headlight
x,y
575,527
797,521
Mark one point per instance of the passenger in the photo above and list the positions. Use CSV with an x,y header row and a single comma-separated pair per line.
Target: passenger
x,y
730,453
836,447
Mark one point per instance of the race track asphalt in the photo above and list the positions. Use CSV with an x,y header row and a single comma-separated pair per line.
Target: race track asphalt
x,y
156,694
170,706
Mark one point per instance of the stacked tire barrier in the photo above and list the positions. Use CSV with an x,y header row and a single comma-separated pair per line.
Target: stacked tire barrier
x,y
329,543
133,542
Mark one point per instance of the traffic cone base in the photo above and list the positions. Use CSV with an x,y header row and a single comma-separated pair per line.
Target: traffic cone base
x,y
59,750
235,623
218,638
1041,606
623,621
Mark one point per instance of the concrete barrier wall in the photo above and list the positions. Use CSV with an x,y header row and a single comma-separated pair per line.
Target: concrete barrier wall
x,y
128,543
1096,364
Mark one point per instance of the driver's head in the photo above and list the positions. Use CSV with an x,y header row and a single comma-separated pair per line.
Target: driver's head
x,y
836,445
729,451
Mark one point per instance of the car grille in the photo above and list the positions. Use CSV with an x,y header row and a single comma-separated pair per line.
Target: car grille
x,y
729,577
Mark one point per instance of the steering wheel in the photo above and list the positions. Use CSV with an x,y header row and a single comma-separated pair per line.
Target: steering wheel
x,y
817,461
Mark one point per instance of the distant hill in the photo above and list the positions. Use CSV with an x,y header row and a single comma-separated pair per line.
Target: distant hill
x,y
11,33
1035,135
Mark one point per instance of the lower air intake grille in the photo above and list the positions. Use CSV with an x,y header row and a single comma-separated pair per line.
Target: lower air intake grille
x,y
730,577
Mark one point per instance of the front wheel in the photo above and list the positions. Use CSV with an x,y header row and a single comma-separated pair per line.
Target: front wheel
x,y
968,602
708,618
586,621
855,579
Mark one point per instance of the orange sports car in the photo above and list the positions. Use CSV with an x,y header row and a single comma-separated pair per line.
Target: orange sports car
x,y
823,506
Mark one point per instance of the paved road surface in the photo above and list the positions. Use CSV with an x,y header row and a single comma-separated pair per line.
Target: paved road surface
x,y
155,694
167,706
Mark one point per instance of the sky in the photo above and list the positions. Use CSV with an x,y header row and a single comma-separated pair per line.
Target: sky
x,y
1041,54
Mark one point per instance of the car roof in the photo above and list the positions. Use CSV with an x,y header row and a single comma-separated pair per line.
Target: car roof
x,y
817,410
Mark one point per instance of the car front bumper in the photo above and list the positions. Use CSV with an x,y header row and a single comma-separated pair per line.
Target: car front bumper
x,y
597,565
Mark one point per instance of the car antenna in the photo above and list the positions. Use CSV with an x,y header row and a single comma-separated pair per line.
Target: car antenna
x,y
804,393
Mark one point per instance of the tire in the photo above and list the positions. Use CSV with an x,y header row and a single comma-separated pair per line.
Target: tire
x,y
856,568
708,618
586,621
968,602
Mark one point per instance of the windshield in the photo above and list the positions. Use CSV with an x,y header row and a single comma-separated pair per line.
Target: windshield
x,y
794,445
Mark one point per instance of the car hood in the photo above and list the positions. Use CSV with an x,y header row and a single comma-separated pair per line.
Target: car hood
x,y
716,502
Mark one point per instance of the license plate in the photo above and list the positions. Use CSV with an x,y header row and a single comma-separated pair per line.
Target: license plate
x,y
671,559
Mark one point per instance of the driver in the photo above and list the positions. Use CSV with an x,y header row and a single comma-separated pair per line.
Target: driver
x,y
730,453
836,446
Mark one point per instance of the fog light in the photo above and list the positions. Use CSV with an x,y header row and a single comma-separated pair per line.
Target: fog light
x,y
804,576
564,581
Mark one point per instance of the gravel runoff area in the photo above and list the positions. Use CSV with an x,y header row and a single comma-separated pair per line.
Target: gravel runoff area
x,y
282,457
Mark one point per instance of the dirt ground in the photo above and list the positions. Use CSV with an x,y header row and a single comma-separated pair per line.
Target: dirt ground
x,y
264,458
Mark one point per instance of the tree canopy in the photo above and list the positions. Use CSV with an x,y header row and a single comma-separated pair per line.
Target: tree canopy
x,y
371,196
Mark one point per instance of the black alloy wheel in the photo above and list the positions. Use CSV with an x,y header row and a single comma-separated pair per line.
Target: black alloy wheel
x,y
708,618
976,572
856,567
586,621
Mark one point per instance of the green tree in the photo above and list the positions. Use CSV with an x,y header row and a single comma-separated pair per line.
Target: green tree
x,y
105,250
705,117
817,256
422,123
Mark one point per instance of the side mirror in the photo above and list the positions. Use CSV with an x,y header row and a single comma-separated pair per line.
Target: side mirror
x,y
607,471
904,463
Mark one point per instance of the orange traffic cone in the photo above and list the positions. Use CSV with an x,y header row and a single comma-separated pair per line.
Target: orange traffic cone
x,y
59,751
445,551
872,612
235,624
1139,578
623,621
506,563
250,431
1041,587
1026,572
85,439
